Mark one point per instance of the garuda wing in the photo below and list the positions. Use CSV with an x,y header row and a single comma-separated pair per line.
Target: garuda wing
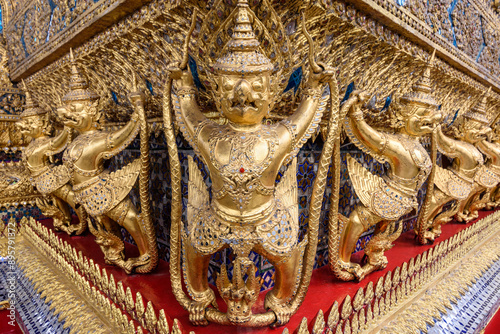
x,y
107,191
286,191
451,184
376,195
486,177
198,197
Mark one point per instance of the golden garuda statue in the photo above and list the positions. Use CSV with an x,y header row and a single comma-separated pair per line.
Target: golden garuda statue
x,y
485,179
49,179
463,181
102,193
385,199
247,210
490,176
491,148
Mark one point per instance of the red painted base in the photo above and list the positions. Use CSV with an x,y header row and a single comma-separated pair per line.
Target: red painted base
x,y
324,290
6,326
493,326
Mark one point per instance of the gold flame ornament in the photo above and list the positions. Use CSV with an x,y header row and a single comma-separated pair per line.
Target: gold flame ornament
x,y
102,193
247,211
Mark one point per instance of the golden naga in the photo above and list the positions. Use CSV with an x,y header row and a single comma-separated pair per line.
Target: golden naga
x,y
50,180
102,193
461,182
247,210
383,199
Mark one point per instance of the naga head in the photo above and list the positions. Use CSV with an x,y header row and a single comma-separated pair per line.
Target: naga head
x,y
243,74
34,119
418,110
475,126
238,294
80,104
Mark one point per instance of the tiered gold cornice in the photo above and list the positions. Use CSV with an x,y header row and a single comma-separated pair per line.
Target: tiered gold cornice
x,y
151,40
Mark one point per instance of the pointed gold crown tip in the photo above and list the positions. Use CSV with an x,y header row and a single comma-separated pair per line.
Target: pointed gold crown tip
x,y
478,111
31,106
422,90
243,56
79,88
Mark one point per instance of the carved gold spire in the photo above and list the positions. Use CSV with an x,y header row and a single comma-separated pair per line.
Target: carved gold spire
x,y
31,107
478,112
421,90
243,56
79,87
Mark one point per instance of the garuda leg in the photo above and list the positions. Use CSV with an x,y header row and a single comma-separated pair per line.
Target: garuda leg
x,y
196,269
287,271
126,215
358,222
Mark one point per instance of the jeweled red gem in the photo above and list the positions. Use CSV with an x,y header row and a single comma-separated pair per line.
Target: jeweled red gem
x,y
242,170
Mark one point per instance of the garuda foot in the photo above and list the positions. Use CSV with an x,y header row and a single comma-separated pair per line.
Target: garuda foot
x,y
461,216
139,264
62,225
280,309
198,307
347,271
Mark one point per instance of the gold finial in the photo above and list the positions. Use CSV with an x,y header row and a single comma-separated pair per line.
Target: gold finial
x,y
243,56
421,90
478,111
79,87
31,107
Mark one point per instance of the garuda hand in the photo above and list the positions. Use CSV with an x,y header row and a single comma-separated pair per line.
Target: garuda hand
x,y
325,75
182,78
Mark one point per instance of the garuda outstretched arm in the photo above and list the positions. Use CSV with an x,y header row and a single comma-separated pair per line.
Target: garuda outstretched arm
x,y
360,132
118,140
492,150
445,144
59,142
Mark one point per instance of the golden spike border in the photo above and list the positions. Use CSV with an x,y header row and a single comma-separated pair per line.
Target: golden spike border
x,y
92,281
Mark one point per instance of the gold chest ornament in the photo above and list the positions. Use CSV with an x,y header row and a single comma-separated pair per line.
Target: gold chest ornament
x,y
241,175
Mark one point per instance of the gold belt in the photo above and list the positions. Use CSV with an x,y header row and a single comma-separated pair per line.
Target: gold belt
x,y
246,220
88,183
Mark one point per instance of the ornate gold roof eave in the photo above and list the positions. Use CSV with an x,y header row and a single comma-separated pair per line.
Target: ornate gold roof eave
x,y
406,24
100,17
151,15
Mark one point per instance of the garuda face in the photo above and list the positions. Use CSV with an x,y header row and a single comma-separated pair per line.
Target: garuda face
x,y
79,115
475,132
244,99
32,126
422,120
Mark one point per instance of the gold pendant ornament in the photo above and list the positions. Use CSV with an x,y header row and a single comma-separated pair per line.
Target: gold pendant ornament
x,y
52,181
104,194
247,210
383,199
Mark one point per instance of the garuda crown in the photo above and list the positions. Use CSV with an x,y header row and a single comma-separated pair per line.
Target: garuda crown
x,y
79,87
243,56
420,95
478,112
31,106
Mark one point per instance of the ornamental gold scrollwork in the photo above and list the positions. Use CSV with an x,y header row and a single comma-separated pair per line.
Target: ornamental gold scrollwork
x,y
383,199
52,181
102,193
464,181
247,210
